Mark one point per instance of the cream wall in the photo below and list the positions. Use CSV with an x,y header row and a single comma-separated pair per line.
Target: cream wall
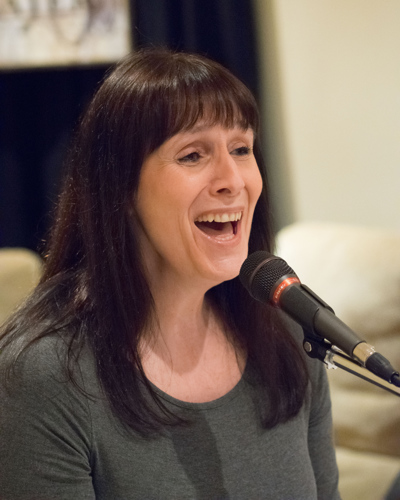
x,y
331,73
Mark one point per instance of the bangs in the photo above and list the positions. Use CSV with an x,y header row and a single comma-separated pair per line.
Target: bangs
x,y
181,90
214,106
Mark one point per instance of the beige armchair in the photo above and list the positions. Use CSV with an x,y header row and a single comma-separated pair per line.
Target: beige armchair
x,y
357,272
20,271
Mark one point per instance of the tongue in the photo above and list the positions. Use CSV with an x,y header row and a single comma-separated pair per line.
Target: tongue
x,y
215,228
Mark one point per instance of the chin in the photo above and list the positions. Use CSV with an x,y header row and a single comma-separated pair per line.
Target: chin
x,y
227,270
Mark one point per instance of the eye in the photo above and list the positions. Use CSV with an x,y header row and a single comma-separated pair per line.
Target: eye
x,y
242,151
190,158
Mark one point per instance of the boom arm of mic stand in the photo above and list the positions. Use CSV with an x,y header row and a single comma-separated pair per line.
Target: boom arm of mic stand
x,y
319,348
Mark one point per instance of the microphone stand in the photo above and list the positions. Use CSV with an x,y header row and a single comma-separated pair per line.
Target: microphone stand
x,y
319,348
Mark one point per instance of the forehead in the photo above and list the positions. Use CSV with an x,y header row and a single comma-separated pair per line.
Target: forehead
x,y
210,130
212,120
213,114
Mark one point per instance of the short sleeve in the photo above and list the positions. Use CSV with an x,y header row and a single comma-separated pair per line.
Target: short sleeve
x,y
45,431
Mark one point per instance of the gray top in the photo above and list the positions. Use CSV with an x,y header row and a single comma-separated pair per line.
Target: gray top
x,y
56,444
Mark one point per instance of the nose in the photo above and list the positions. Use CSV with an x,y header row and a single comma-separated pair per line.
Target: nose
x,y
227,175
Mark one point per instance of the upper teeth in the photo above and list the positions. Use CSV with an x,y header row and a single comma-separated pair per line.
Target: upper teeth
x,y
219,217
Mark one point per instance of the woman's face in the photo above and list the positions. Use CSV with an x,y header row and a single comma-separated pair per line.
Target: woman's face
x,y
195,202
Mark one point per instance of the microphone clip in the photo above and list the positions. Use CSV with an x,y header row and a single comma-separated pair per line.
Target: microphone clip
x,y
315,346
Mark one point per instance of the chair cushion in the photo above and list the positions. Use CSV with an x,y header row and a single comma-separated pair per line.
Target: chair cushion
x,y
356,270
20,271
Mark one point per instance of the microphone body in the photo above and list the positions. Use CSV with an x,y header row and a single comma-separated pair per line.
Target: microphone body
x,y
311,313
270,279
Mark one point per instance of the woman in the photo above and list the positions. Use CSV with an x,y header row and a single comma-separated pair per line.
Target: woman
x,y
140,367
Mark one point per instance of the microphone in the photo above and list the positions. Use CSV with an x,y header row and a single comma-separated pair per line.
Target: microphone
x,y
269,278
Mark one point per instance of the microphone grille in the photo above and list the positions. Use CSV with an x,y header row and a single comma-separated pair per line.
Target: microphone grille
x,y
260,273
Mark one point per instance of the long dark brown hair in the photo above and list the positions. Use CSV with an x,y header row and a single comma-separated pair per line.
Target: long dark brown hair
x,y
94,289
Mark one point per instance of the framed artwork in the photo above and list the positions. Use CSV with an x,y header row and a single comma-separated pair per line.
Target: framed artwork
x,y
39,33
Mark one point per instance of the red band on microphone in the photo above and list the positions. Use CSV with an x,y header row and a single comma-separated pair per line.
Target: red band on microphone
x,y
281,287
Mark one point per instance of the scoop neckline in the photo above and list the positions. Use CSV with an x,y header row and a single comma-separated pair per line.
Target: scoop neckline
x,y
208,405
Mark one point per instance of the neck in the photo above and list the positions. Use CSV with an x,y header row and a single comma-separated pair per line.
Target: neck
x,y
183,320
186,351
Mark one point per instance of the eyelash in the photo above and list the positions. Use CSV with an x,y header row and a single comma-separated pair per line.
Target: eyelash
x,y
242,151
190,158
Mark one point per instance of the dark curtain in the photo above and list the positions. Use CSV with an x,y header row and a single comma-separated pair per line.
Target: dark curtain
x,y
221,29
39,108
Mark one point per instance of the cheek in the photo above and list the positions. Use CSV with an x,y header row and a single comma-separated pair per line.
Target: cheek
x,y
158,207
255,185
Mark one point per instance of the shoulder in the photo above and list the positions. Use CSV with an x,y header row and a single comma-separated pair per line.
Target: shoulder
x,y
41,399
46,371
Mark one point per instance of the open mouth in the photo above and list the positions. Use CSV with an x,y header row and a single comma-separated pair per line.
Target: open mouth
x,y
217,225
